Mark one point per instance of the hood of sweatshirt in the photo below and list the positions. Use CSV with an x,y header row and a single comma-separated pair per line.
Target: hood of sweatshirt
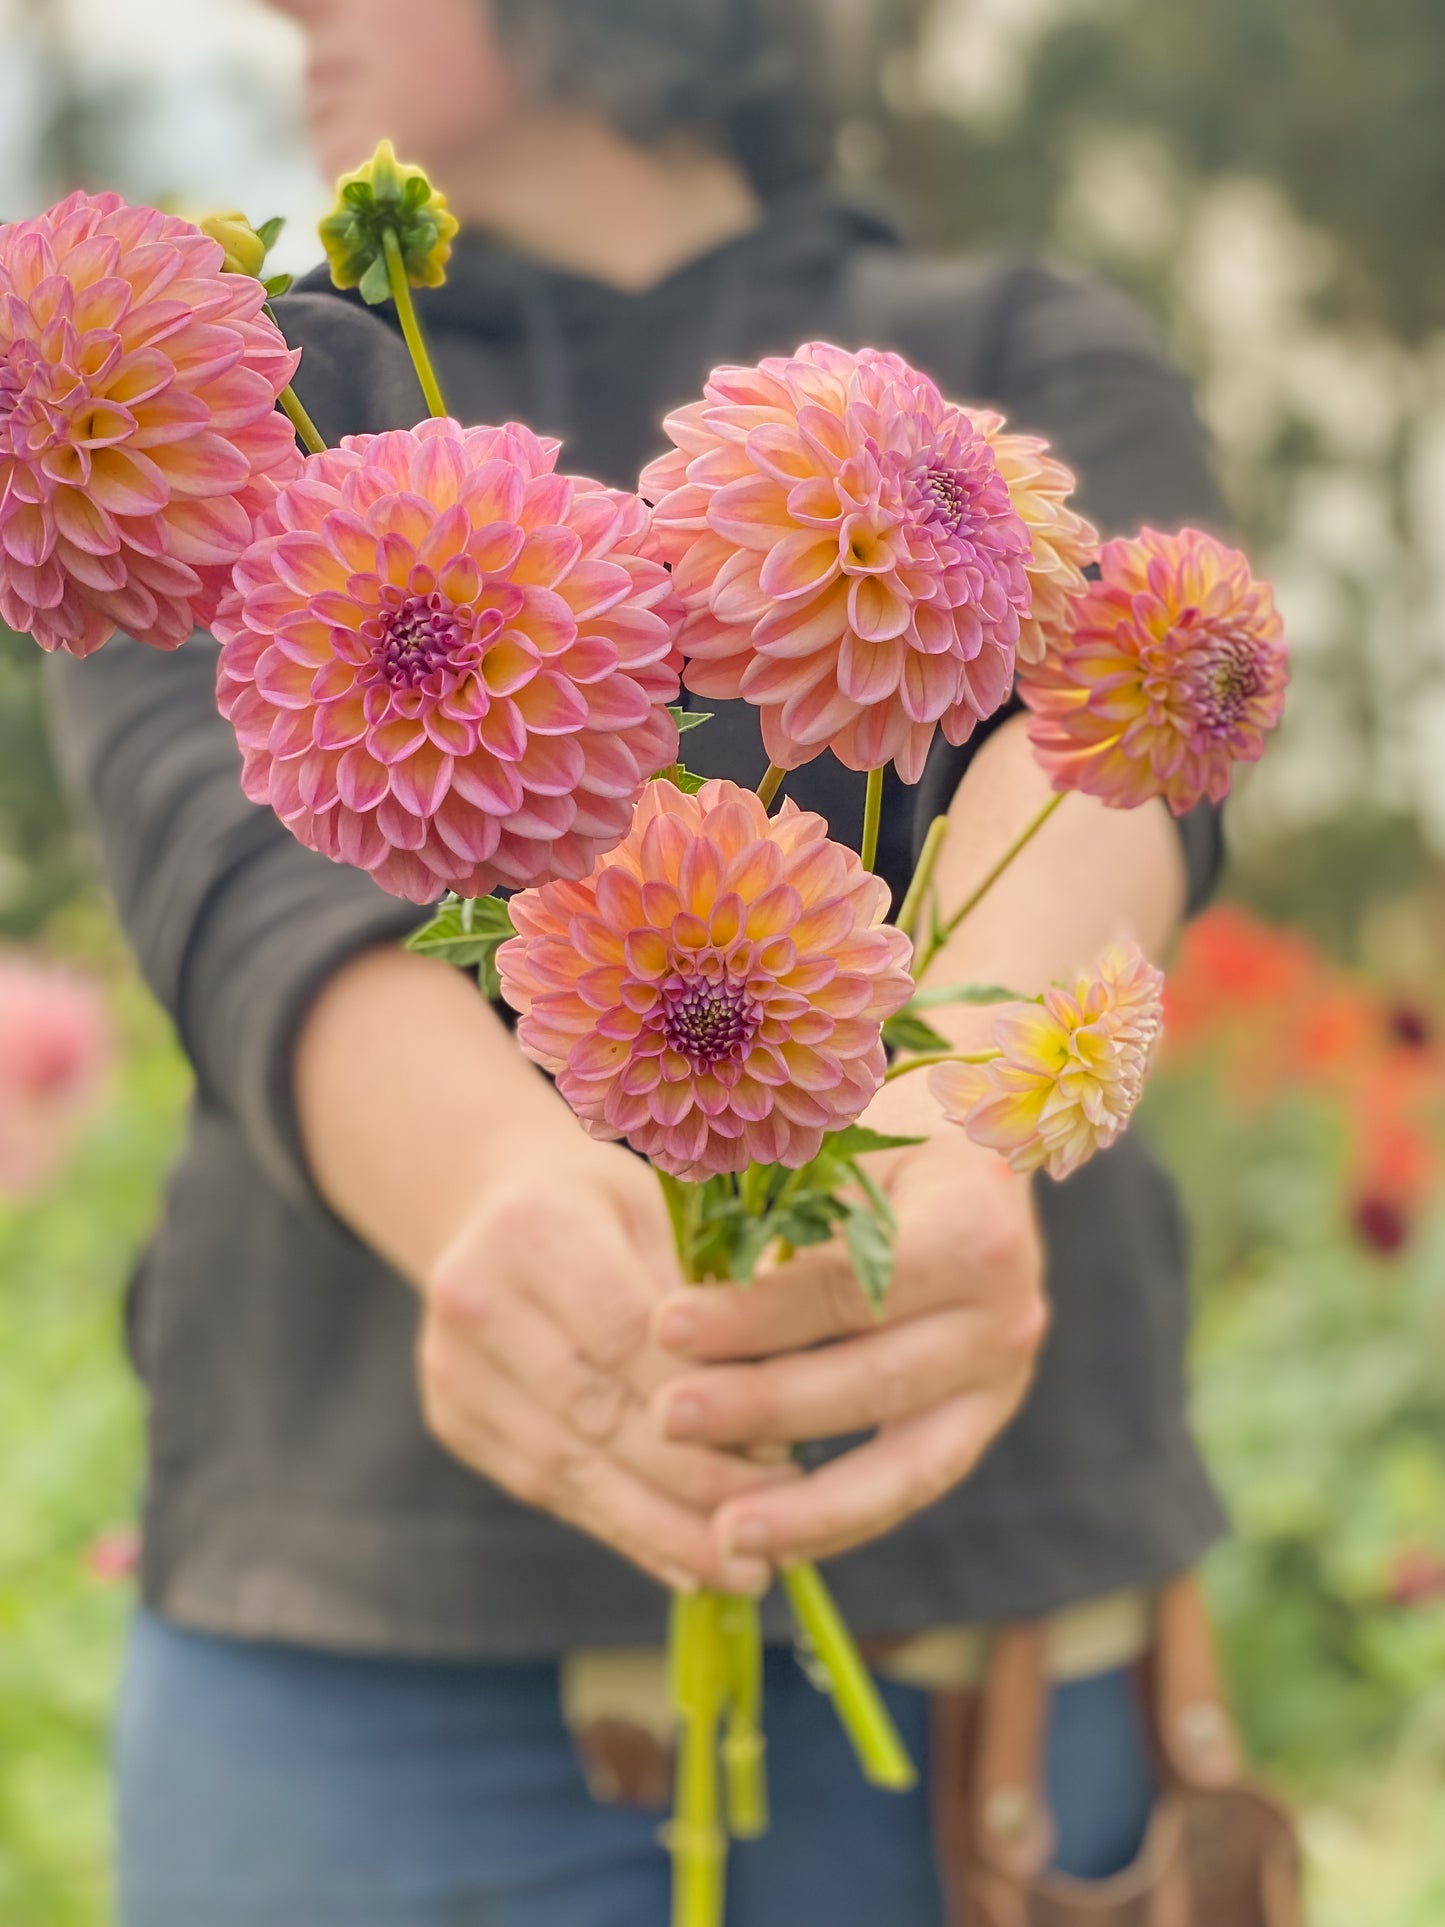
x,y
598,366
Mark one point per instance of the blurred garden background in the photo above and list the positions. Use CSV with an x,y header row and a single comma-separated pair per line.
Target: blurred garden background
x,y
1269,177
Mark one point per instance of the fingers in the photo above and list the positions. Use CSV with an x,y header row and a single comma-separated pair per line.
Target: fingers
x,y
573,1254
956,1243
492,1425
515,1337
852,1386
867,1491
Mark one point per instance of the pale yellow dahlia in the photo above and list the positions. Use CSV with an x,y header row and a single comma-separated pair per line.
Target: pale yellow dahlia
x,y
1069,1070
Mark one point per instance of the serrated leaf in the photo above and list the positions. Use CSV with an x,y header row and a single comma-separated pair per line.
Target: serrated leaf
x,y
967,994
687,719
269,232
870,1246
856,1141
467,932
908,1031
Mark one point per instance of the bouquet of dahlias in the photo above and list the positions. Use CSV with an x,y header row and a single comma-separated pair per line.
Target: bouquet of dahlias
x,y
454,666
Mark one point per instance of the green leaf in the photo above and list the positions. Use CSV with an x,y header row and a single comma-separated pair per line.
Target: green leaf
x,y
875,1195
278,284
687,719
748,1247
269,232
467,932
687,780
857,1140
374,286
908,1031
968,994
870,1246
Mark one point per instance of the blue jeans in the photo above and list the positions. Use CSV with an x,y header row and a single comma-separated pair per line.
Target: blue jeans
x,y
267,1786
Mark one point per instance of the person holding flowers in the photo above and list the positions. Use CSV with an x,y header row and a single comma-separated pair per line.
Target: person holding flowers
x,y
388,1531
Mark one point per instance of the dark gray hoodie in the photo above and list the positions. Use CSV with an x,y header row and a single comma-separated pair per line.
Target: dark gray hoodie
x,y
293,1492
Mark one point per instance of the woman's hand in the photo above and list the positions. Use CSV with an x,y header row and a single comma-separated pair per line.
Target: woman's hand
x,y
799,1355
536,1359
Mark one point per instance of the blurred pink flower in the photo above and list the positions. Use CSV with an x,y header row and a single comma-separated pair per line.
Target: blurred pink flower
x,y
715,991
1174,670
139,435
1070,1070
55,1051
448,665
847,552
114,1556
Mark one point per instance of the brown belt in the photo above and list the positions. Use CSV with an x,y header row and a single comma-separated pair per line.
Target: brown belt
x,y
1219,1852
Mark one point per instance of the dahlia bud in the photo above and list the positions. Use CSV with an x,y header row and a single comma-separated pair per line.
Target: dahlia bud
x,y
387,197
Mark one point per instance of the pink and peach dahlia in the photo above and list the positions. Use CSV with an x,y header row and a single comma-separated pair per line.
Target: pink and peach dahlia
x,y
846,549
715,991
139,436
1063,543
1173,671
447,664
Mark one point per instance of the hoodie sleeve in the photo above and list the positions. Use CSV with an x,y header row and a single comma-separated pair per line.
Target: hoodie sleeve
x,y
236,927
1078,363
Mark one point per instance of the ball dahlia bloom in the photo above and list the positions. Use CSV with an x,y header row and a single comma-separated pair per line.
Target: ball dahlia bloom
x,y
447,664
56,1049
715,991
1063,543
1173,671
139,436
1070,1069
845,546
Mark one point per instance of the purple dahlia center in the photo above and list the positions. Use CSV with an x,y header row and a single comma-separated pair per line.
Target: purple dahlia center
x,y
421,635
1232,680
947,497
29,419
708,1022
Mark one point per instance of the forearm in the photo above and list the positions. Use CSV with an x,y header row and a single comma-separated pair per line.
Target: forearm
x,y
411,1094
1091,875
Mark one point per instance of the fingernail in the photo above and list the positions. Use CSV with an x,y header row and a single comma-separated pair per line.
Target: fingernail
x,y
750,1576
677,1328
683,1417
747,1535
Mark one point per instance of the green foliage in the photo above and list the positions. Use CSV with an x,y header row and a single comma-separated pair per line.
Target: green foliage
x,y
40,858
728,1223
467,932
1322,1408
69,1441
1337,100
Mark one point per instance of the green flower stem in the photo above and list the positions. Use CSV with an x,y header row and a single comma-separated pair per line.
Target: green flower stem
x,y
772,782
926,1057
743,1746
306,429
410,325
695,1837
922,882
859,1705
1020,843
872,817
